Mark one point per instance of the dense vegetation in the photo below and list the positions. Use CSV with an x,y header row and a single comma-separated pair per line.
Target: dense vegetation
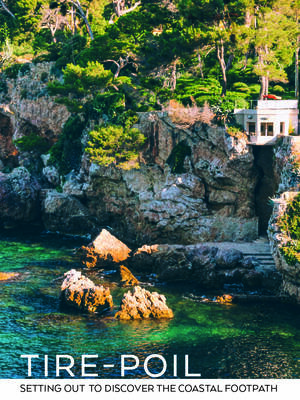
x,y
120,57
290,225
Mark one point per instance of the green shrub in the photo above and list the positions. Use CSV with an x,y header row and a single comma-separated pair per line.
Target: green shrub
x,y
277,89
23,94
290,227
254,89
177,157
241,87
44,76
3,86
13,71
33,142
115,145
67,151
236,131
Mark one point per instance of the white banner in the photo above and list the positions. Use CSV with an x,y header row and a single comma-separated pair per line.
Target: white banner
x,y
137,389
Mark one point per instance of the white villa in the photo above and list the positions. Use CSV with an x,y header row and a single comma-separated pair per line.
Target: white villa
x,y
267,119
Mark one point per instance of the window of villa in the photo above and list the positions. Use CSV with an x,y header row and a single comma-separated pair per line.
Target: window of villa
x,y
282,128
251,128
263,129
270,128
267,129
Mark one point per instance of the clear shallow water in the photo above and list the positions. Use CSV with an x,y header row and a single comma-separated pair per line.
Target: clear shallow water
x,y
236,341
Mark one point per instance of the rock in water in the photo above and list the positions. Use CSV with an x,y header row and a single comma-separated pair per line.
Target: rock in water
x,y
224,299
104,250
108,246
127,277
79,292
142,304
5,276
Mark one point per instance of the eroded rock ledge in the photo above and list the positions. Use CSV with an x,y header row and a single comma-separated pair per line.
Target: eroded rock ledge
x,y
208,267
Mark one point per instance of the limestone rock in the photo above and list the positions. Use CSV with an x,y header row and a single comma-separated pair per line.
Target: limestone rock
x,y
108,246
210,197
65,214
208,267
105,251
228,259
142,304
127,277
88,256
285,156
30,103
8,151
19,193
51,174
79,292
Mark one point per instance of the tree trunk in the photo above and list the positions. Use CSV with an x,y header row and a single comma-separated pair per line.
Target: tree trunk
x,y
264,84
200,64
4,6
220,55
84,17
267,85
174,76
297,69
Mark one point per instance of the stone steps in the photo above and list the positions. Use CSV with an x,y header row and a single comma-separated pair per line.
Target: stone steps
x,y
260,249
265,259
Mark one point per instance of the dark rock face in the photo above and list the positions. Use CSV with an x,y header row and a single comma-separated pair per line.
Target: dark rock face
x,y
81,293
205,266
19,197
142,304
8,151
65,214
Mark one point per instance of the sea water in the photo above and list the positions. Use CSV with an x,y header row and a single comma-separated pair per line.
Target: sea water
x,y
222,341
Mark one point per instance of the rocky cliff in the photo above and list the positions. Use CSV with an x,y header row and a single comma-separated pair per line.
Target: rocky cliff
x,y
287,157
193,185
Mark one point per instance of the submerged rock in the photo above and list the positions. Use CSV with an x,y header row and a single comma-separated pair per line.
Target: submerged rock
x,y
77,291
104,250
5,276
142,304
127,277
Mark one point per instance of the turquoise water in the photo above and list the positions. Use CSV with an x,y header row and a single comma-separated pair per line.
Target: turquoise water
x,y
222,341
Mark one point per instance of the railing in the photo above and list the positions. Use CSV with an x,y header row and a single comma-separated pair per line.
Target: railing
x,y
271,104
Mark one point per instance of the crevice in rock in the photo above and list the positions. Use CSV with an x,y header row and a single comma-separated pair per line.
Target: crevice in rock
x,y
266,185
